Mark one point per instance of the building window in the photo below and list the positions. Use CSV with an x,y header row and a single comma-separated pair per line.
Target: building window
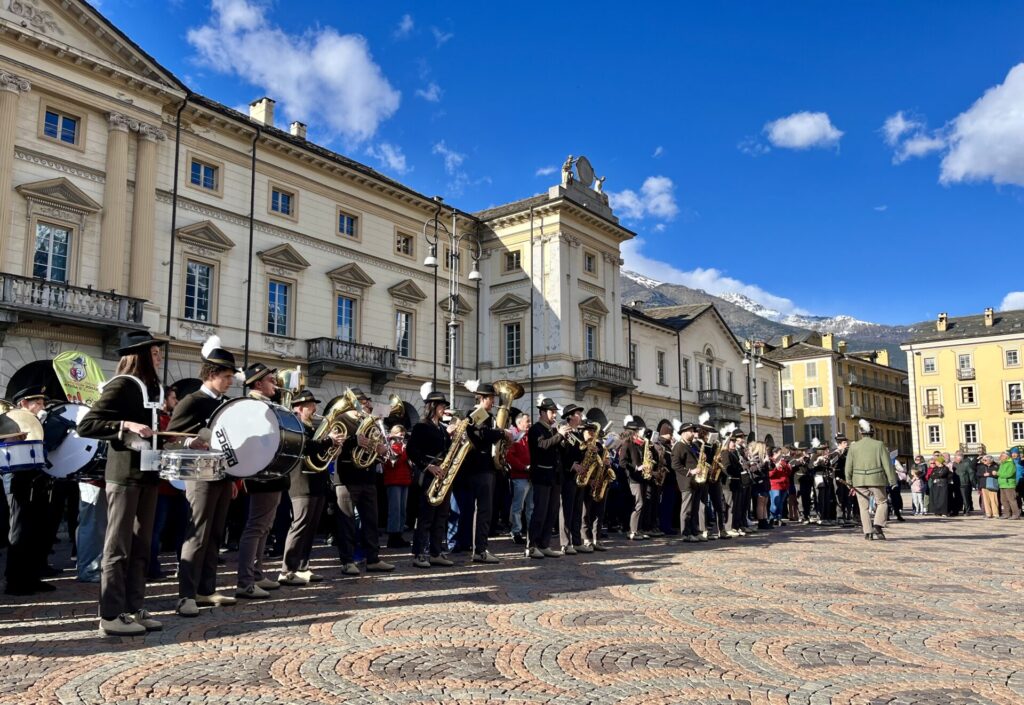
x,y
513,346
404,245
660,357
589,263
700,376
853,397
278,299
812,396
403,333
198,291
204,175
590,342
60,126
963,361
513,261
728,380
1017,431
282,202
934,434
686,373
970,433
346,319
788,405
839,397
787,373
632,360
928,365
811,370
718,378
1013,391
347,224
453,339
967,395
764,395
788,434
52,253
812,431
1012,358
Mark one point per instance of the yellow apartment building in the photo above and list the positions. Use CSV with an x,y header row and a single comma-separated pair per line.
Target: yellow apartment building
x,y
966,382
826,389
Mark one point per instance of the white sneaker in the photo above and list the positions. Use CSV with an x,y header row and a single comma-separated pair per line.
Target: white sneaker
x,y
216,599
733,533
122,625
252,592
268,584
291,578
702,537
187,607
144,618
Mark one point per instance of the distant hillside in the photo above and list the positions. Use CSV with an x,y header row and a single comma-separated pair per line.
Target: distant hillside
x,y
749,319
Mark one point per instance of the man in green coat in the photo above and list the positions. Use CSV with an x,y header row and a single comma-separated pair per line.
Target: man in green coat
x,y
869,471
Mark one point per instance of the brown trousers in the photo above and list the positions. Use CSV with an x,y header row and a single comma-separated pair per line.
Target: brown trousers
x,y
1009,498
130,513
991,500
881,507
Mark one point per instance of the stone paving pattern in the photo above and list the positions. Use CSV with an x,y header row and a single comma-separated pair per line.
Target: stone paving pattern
x,y
797,616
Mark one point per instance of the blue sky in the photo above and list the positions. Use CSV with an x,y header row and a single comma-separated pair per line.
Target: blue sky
x,y
862,158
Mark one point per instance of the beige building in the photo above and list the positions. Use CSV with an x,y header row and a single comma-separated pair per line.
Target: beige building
x,y
826,389
129,202
967,382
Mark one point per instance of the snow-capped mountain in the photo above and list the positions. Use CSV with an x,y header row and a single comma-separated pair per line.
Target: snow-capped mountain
x,y
840,325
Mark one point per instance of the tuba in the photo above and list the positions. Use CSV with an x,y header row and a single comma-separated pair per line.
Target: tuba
x,y
337,412
508,391
456,456
372,427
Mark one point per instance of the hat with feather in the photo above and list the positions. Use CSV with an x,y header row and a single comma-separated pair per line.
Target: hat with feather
x,y
213,352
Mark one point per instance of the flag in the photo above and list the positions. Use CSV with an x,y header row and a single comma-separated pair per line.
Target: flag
x,y
80,377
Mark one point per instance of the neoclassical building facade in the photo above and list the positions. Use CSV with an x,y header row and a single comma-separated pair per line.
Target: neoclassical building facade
x,y
127,201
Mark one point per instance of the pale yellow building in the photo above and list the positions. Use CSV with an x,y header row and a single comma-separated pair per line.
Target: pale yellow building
x,y
966,381
826,389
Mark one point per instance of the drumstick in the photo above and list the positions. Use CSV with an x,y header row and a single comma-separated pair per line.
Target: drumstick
x,y
6,436
178,434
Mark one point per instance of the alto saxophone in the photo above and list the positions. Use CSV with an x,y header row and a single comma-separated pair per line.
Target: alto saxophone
x,y
591,463
602,479
456,456
647,466
701,476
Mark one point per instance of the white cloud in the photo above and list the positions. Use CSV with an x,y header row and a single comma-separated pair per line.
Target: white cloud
x,y
390,156
453,166
660,227
441,37
321,77
658,151
431,94
1013,301
882,208
405,27
909,137
656,198
711,280
898,125
803,130
753,147
986,142
546,171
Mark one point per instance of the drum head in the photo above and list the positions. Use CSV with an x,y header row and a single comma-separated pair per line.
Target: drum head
x,y
74,453
248,433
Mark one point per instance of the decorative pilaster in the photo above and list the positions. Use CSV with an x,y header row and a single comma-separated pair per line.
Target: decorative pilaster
x,y
140,275
11,88
115,203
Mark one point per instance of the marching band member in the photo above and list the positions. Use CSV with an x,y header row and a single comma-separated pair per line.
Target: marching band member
x,y
735,471
825,488
631,457
869,470
28,501
593,509
717,494
308,492
131,494
264,496
427,447
356,489
197,568
839,469
518,458
661,444
545,468
686,454
571,517
474,488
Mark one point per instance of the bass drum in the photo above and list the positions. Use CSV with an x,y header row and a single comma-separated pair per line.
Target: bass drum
x,y
74,455
258,440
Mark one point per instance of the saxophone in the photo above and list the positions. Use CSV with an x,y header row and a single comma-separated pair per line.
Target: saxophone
x,y
592,461
647,466
701,476
603,478
456,456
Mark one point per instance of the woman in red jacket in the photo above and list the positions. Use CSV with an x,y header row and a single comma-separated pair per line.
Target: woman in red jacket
x,y
778,480
397,478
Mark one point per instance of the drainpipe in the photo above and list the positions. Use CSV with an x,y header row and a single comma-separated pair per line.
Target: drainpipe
x,y
629,355
679,369
248,280
174,226
478,284
533,289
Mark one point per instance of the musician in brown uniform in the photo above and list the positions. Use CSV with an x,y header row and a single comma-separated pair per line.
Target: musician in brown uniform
x,y
593,508
686,456
571,517
120,417
427,448
308,492
545,440
631,456
197,569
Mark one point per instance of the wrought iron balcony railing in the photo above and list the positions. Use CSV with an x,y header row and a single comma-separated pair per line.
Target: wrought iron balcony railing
x,y
329,354
932,411
592,373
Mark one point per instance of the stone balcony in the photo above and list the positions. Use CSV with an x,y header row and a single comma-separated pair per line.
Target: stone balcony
x,y
855,380
597,374
932,411
721,405
32,299
964,374
326,355
972,448
1014,406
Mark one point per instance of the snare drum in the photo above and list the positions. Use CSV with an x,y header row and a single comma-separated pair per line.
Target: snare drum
x,y
76,455
22,455
191,465
257,438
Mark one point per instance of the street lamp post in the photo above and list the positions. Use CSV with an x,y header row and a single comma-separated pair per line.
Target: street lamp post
x,y
432,231
752,354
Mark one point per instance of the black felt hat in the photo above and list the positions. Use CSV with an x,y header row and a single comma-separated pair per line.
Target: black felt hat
x,y
304,397
35,391
134,342
257,371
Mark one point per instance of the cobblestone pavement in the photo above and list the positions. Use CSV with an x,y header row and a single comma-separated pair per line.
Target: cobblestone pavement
x,y
801,615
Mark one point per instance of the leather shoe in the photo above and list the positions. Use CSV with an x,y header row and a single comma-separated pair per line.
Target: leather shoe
x,y
187,607
551,553
534,552
122,625
252,592
442,561
268,584
379,567
144,618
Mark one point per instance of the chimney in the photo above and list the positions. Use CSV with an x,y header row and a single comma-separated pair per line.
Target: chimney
x,y
827,341
989,317
262,111
787,340
882,357
298,129
842,347
941,324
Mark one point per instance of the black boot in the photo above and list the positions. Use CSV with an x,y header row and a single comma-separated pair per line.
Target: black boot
x,y
879,535
868,536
